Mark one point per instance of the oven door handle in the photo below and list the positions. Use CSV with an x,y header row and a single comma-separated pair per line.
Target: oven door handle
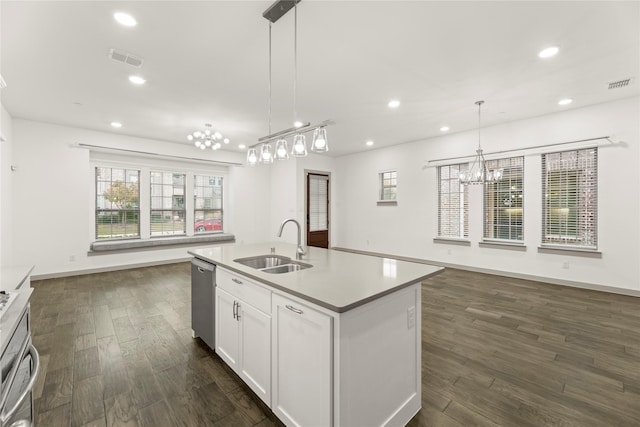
x,y
35,357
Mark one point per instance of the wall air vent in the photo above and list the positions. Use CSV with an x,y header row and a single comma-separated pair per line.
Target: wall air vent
x,y
125,58
620,83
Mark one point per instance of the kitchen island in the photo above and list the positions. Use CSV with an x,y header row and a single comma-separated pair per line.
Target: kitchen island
x,y
337,342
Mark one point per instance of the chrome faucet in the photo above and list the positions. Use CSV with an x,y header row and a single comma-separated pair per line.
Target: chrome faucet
x,y
299,252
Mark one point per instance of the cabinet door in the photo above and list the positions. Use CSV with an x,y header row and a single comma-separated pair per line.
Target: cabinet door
x,y
302,364
227,329
255,350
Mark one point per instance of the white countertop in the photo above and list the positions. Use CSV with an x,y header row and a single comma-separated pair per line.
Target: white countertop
x,y
14,280
338,280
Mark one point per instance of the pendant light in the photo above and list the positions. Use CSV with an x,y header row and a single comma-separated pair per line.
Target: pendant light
x,y
478,172
299,148
252,157
282,149
319,144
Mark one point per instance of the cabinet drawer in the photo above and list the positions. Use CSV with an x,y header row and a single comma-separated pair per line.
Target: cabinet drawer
x,y
244,289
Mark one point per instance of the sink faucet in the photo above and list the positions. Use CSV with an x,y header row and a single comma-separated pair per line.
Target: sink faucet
x,y
299,251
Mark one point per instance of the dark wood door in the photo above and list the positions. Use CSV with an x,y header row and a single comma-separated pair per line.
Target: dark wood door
x,y
317,210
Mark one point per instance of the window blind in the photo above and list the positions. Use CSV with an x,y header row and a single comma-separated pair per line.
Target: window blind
x,y
207,196
570,198
318,202
453,204
504,201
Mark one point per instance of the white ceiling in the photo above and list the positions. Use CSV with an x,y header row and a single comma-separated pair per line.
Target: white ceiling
x,y
207,62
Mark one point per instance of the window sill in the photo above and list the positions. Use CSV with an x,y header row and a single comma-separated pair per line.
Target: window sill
x,y
158,242
503,245
572,251
452,241
387,203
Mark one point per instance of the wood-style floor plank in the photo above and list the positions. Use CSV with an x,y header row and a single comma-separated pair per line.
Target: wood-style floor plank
x,y
117,351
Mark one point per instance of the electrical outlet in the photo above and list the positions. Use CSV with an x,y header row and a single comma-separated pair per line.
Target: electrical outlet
x,y
565,264
72,258
448,251
367,242
411,317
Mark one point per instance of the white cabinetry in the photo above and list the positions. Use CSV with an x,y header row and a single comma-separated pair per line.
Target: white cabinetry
x,y
243,330
301,364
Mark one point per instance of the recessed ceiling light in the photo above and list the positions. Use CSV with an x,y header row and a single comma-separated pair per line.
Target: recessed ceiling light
x,y
444,129
394,103
137,80
548,52
297,124
116,124
369,143
125,19
242,146
565,101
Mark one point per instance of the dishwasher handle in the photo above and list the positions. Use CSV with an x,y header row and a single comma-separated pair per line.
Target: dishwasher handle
x,y
7,415
202,265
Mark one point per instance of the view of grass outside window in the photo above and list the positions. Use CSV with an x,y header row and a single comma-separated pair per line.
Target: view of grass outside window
x,y
570,198
117,203
388,185
453,203
504,201
167,204
207,196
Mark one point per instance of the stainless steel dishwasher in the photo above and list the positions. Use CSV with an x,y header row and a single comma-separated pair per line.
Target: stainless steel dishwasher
x,y
203,278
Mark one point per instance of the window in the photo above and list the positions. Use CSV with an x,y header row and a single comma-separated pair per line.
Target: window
x,y
504,201
318,199
117,203
207,196
388,185
167,204
453,205
570,202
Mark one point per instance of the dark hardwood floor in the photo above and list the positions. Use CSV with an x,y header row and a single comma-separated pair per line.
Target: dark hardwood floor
x,y
116,350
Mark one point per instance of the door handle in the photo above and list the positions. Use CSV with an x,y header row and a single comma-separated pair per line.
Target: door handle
x,y
295,310
201,270
6,415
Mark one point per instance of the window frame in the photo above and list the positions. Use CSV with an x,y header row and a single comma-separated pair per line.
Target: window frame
x,y
583,192
173,210
97,194
204,210
507,164
146,165
382,187
463,205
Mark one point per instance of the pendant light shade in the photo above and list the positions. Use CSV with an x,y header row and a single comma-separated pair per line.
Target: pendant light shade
x,y
320,144
266,154
252,157
282,149
299,148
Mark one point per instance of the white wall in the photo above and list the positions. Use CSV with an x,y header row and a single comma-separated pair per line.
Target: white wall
x,y
409,228
6,189
52,193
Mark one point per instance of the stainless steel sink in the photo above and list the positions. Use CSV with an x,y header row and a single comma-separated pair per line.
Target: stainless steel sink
x,y
273,264
286,268
263,261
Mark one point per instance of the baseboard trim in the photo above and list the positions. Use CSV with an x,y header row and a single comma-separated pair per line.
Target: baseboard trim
x,y
81,272
550,280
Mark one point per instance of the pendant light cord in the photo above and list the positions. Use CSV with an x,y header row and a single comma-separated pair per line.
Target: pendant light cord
x,y
269,77
295,60
479,104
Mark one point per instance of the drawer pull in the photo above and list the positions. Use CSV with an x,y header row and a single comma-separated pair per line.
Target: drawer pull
x,y
295,310
235,305
234,280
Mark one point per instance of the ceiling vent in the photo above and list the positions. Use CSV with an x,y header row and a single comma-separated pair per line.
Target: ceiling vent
x,y
620,83
125,58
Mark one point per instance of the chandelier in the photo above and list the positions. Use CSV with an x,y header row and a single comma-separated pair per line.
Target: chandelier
x,y
478,172
263,152
207,138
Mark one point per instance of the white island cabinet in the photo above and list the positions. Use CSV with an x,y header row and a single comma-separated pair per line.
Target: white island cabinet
x,y
336,344
243,330
301,366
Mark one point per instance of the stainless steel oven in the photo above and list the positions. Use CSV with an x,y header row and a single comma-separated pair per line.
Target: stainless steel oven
x,y
20,363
